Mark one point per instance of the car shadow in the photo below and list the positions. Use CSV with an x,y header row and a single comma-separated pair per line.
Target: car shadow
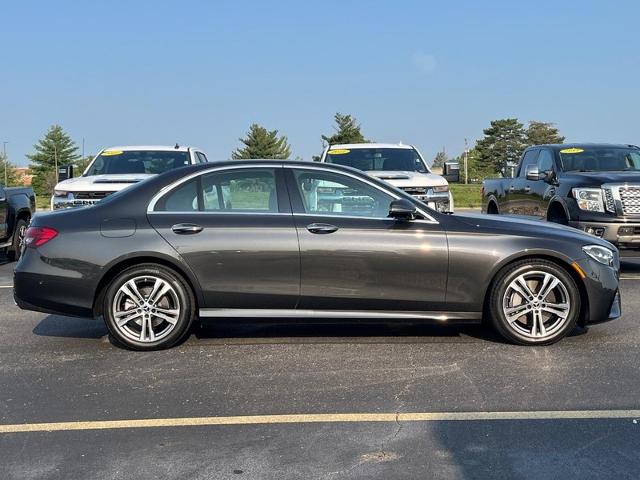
x,y
70,327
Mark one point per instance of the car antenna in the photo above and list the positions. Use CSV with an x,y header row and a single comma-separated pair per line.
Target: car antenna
x,y
177,146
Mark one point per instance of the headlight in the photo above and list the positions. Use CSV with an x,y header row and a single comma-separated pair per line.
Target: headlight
x,y
60,193
589,199
600,254
441,188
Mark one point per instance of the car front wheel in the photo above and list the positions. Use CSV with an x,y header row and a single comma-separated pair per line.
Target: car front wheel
x,y
148,307
534,302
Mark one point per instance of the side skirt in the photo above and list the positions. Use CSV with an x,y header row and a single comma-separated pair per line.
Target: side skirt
x,y
342,314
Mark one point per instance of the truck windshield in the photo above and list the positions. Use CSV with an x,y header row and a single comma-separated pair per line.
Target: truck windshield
x,y
600,159
139,161
385,159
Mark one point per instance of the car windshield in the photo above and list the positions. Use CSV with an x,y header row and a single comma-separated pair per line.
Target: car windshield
x,y
138,161
386,159
600,159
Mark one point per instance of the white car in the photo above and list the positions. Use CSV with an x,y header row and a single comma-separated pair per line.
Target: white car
x,y
116,168
400,165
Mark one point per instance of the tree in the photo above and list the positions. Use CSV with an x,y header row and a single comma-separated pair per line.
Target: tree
x,y
81,164
439,160
476,170
12,177
347,131
502,145
262,143
56,147
540,133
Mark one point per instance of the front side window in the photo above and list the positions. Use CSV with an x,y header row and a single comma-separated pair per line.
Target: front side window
x,y
378,159
600,159
545,161
530,158
336,194
113,162
242,190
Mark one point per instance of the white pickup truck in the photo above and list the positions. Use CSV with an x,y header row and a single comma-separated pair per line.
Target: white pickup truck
x,y
116,168
400,165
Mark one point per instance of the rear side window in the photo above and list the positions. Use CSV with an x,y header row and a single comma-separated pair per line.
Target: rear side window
x,y
530,158
202,158
241,190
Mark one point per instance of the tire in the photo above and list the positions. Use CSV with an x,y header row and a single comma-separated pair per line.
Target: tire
x,y
161,315
534,321
492,209
15,251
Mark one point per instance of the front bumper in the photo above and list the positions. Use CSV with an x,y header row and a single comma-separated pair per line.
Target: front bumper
x,y
603,296
439,202
624,235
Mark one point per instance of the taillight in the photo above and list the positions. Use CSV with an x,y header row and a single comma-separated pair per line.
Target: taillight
x,y
38,236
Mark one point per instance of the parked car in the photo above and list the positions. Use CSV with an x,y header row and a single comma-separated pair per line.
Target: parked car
x,y
17,206
116,168
400,165
592,187
281,243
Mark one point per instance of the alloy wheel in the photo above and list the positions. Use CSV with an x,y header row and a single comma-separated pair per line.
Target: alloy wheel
x,y
146,309
536,305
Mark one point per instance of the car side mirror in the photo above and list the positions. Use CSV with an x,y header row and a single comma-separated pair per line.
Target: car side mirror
x,y
402,209
534,174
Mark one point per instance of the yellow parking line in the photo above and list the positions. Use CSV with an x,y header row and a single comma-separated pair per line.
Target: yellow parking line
x,y
319,418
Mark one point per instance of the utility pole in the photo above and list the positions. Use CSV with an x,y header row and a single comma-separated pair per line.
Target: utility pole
x,y
466,161
55,162
6,163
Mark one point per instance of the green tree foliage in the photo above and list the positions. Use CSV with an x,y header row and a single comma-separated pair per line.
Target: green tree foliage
x,y
81,164
476,170
56,145
262,143
11,175
347,130
439,160
502,145
540,133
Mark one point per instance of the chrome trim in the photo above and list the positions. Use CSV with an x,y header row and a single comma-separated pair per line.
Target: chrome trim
x,y
614,188
305,313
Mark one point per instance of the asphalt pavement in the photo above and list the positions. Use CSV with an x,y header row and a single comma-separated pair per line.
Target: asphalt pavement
x,y
60,369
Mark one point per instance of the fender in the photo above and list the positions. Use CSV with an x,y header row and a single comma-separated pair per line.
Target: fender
x,y
558,199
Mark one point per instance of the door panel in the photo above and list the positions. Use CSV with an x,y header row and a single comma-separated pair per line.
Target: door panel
x,y
4,211
235,230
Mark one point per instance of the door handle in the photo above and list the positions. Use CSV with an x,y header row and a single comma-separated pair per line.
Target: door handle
x,y
186,228
527,189
322,228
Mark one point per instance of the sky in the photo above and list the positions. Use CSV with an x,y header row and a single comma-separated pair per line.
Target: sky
x,y
421,72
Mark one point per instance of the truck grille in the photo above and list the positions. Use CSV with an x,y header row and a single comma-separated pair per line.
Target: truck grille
x,y
630,199
91,195
414,190
608,200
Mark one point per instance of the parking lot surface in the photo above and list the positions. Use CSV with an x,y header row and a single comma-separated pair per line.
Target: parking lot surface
x,y
361,379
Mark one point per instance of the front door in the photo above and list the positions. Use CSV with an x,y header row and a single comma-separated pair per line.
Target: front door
x,y
353,257
4,210
235,230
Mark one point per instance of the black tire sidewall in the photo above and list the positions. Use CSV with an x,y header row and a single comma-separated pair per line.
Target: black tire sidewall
x,y
498,318
185,297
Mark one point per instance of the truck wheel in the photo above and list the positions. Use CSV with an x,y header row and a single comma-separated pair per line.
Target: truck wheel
x,y
148,307
15,250
534,302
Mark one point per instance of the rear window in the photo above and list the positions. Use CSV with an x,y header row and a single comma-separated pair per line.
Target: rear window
x,y
112,162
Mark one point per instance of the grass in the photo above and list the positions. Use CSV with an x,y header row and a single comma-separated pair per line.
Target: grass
x,y
466,196
43,203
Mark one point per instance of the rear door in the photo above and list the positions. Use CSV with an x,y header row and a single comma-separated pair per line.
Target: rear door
x,y
234,228
353,257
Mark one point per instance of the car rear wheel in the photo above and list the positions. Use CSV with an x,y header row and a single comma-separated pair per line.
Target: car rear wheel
x,y
15,250
534,302
148,307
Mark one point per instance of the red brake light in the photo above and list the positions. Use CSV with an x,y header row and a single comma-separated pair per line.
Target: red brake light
x,y
38,236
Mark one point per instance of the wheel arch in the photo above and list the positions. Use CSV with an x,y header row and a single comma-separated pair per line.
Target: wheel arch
x,y
493,202
560,260
555,203
115,267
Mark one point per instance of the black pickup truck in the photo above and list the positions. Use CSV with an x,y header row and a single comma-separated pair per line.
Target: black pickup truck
x,y
17,206
593,187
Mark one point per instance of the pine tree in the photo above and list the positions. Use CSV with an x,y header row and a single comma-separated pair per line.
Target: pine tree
x,y
502,145
439,160
10,177
541,133
347,131
262,143
55,147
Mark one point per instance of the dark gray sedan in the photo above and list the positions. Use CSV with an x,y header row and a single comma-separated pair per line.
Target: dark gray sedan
x,y
298,239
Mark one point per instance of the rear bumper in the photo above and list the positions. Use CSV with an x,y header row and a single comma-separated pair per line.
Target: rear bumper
x,y
624,235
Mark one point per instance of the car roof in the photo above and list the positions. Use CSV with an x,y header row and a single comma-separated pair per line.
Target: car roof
x,y
354,146
560,146
161,148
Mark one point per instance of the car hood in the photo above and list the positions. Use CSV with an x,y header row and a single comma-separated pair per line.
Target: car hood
x,y
102,183
599,178
519,226
402,178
